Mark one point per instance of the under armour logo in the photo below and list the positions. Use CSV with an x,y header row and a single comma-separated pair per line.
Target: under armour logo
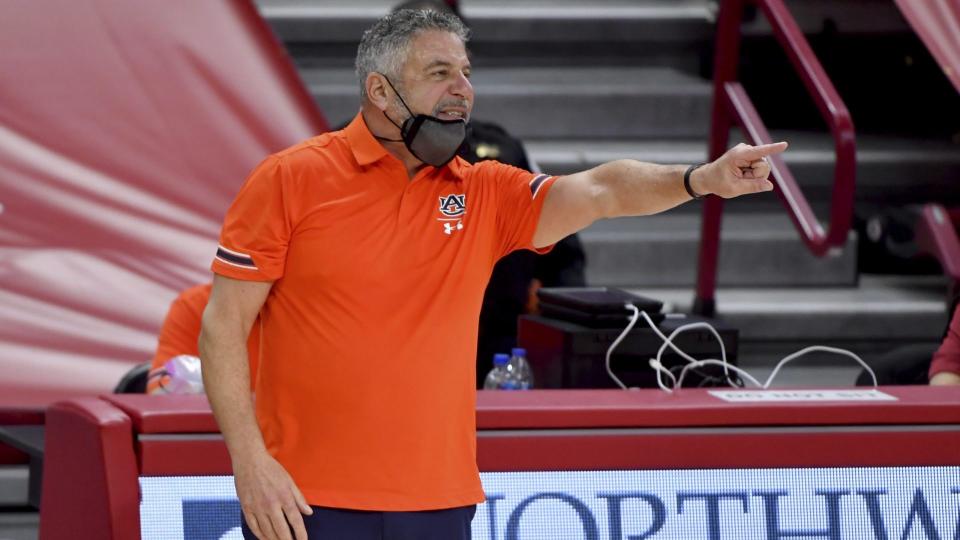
x,y
448,228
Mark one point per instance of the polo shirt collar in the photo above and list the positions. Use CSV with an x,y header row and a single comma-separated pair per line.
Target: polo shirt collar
x,y
366,148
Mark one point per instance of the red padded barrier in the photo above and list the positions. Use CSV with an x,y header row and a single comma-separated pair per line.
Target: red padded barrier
x,y
198,455
126,128
90,478
727,449
166,414
576,429
91,472
696,407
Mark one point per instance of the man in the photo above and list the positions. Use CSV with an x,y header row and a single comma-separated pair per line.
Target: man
x,y
366,251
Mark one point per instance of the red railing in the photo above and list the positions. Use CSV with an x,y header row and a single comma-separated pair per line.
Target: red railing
x,y
732,106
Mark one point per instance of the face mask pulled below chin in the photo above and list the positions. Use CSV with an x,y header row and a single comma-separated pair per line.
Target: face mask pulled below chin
x,y
430,139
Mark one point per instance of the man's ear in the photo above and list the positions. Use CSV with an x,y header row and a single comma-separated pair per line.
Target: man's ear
x,y
377,91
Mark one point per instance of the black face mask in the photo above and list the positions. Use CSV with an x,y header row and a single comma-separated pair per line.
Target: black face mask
x,y
430,139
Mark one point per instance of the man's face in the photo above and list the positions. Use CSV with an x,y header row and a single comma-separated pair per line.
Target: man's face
x,y
435,77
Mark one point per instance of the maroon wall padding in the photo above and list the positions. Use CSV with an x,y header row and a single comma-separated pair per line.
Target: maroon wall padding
x,y
938,24
612,429
170,413
126,129
91,471
725,449
90,478
694,407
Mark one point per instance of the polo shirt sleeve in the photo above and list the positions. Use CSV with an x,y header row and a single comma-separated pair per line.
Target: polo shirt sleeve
x,y
256,229
520,195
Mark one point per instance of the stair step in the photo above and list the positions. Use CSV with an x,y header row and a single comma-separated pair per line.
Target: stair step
x,y
505,20
559,102
894,170
757,250
19,525
878,313
14,481
569,122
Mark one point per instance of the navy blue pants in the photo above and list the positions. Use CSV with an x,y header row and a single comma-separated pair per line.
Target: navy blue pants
x,y
339,524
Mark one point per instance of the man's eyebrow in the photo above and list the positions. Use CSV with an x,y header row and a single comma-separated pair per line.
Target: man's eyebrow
x,y
436,63
441,63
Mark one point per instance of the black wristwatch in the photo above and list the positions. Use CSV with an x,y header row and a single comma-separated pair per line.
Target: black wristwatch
x,y
686,181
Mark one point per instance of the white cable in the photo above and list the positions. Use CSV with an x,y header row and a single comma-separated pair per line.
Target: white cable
x,y
693,363
633,321
821,348
658,367
710,362
668,342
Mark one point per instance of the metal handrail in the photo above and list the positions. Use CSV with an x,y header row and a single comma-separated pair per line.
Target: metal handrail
x,y
732,105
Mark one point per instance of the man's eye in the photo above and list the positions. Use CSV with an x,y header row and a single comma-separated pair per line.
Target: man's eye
x,y
441,73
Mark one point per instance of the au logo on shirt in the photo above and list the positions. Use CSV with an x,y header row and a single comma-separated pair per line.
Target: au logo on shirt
x,y
452,207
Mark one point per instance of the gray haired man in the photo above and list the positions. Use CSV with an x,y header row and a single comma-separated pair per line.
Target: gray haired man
x,y
366,253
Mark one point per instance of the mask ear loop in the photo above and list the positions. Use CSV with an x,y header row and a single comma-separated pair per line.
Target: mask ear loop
x,y
394,88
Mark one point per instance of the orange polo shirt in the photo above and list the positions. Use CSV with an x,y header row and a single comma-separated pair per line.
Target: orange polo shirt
x,y
181,331
366,385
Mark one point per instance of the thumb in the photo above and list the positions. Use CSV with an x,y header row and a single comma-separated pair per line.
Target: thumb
x,y
762,185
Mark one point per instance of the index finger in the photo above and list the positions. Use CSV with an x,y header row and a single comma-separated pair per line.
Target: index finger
x,y
754,153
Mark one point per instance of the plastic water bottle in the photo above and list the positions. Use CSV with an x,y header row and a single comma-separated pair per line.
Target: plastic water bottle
x,y
184,376
519,369
499,377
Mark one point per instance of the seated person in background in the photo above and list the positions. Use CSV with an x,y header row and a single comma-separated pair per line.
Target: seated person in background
x,y
920,363
945,367
179,334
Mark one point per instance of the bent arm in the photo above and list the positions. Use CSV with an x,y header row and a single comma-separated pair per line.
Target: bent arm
x,y
233,306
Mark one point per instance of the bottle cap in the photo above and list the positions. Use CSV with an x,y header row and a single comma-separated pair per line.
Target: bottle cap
x,y
500,359
517,351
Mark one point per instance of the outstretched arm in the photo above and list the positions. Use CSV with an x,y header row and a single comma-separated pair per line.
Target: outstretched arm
x,y
633,188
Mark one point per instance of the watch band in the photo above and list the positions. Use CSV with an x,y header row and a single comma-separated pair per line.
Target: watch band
x,y
686,181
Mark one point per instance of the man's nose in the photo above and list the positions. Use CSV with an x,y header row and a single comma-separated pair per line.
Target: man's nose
x,y
462,88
